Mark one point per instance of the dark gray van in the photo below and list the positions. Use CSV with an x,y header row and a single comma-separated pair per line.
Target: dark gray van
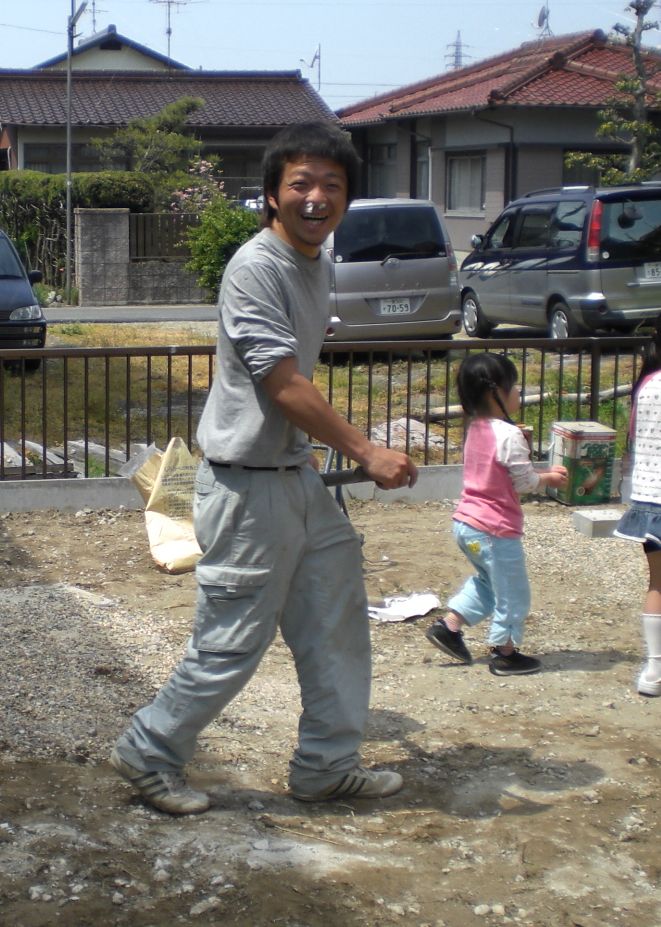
x,y
571,261
22,322
394,273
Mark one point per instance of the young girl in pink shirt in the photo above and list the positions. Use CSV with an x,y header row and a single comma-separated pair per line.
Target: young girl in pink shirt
x,y
488,521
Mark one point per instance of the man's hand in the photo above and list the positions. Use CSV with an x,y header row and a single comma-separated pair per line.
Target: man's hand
x,y
302,404
390,469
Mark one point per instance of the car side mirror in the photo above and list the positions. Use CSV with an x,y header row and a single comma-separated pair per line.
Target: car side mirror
x,y
35,276
477,240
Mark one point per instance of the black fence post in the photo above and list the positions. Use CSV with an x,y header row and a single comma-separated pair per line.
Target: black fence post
x,y
595,380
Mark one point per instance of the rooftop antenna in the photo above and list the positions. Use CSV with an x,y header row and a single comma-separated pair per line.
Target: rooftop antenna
x,y
170,4
543,22
94,11
316,59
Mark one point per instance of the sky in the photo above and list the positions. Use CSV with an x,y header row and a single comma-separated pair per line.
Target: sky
x,y
350,50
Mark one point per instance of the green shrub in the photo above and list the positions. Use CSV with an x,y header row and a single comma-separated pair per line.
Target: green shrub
x,y
221,232
33,210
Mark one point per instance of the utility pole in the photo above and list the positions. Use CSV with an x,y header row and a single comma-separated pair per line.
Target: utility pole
x,y
71,26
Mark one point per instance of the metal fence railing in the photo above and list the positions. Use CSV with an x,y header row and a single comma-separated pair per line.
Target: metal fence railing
x,y
85,411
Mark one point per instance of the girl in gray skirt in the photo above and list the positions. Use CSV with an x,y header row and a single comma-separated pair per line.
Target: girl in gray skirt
x,y
642,522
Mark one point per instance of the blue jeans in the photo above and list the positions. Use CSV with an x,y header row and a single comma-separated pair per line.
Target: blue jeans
x,y
500,587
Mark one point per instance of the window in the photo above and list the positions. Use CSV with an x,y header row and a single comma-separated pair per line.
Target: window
x,y
466,183
422,171
567,224
631,227
382,170
500,235
374,233
51,158
534,227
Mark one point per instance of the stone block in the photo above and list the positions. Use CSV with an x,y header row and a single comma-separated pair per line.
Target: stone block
x,y
596,523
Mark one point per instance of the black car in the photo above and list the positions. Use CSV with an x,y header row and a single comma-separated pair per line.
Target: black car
x,y
22,323
569,261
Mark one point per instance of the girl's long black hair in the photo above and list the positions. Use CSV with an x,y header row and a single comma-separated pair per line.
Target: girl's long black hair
x,y
481,376
651,357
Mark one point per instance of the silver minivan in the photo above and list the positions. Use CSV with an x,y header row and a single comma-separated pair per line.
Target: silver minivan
x,y
570,261
394,273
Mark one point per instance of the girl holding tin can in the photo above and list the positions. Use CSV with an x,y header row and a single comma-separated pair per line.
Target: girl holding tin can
x,y
488,521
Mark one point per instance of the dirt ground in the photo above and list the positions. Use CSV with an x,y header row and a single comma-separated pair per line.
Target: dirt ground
x,y
530,801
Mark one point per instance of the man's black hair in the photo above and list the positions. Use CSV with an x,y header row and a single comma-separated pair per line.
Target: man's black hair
x,y
481,376
308,140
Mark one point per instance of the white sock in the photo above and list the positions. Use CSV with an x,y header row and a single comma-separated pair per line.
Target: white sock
x,y
652,636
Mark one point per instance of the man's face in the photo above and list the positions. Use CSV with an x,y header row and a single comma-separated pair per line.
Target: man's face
x,y
311,201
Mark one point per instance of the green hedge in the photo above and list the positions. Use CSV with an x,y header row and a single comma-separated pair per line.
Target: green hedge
x,y
33,210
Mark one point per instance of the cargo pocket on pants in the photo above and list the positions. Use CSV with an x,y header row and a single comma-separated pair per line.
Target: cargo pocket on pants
x,y
231,615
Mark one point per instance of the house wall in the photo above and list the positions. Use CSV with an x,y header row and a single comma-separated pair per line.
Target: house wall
x,y
111,59
105,276
537,168
524,150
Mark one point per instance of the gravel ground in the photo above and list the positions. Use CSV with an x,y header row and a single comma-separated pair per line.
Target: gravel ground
x,y
530,801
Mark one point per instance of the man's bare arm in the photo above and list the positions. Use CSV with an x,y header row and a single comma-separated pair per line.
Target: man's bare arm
x,y
304,406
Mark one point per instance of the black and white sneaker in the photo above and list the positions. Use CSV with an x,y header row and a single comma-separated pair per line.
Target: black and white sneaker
x,y
450,642
512,664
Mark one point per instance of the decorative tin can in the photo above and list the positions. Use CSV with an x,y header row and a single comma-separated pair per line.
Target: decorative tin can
x,y
587,450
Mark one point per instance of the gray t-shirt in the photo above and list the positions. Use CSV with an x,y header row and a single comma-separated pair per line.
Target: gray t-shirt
x,y
273,303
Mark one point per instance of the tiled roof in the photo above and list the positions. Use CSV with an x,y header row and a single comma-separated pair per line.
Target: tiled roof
x,y
570,70
231,98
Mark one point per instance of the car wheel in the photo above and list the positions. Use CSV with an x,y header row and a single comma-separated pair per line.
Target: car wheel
x,y
32,365
475,325
562,323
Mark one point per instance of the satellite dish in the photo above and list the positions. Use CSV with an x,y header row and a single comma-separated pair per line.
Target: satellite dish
x,y
543,17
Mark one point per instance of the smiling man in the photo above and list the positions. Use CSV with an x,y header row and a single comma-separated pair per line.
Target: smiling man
x,y
277,551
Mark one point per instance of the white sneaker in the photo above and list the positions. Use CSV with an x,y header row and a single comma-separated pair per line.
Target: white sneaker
x,y
648,686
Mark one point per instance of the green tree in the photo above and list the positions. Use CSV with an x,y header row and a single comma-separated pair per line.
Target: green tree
x,y
156,144
222,230
625,119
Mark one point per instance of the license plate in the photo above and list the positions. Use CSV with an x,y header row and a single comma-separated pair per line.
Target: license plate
x,y
653,270
395,307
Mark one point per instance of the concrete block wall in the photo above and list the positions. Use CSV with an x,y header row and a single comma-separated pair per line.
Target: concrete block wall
x,y
164,283
105,276
102,256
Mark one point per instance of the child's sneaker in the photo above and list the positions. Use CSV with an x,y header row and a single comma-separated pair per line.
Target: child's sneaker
x,y
450,642
512,664
647,686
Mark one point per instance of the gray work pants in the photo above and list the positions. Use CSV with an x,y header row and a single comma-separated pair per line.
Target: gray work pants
x,y
277,552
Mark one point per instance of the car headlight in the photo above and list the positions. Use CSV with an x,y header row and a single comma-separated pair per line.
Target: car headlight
x,y
26,314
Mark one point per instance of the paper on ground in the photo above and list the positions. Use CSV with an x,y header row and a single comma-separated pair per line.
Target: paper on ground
x,y
399,608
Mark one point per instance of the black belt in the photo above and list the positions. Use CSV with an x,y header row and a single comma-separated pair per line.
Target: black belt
x,y
230,466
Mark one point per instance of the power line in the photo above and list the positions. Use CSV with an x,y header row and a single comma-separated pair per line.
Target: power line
x,y
30,29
